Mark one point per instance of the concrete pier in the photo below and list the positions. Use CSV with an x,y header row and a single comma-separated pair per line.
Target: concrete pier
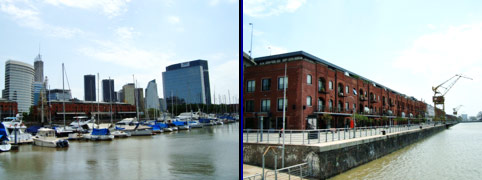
x,y
332,158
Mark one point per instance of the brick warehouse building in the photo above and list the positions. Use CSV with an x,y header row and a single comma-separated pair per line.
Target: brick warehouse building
x,y
316,87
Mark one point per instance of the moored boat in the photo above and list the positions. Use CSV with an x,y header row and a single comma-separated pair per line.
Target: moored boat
x,y
4,145
46,137
101,135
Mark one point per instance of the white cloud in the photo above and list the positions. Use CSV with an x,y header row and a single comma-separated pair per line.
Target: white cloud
x,y
126,32
111,8
224,77
173,19
25,14
263,8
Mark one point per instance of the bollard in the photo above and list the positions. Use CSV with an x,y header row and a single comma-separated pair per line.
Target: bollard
x,y
383,132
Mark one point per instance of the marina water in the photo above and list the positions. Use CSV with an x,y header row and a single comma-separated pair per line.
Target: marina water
x,y
455,153
211,152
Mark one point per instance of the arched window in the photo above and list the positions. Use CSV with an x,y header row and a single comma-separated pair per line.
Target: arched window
x,y
308,100
308,79
321,104
330,85
330,105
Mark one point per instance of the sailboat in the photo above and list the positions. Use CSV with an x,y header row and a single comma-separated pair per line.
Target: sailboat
x,y
66,130
100,133
4,145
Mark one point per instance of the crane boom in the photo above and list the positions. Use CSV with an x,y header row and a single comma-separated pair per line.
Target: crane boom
x,y
438,96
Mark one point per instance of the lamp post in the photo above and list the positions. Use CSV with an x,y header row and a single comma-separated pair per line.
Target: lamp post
x,y
251,49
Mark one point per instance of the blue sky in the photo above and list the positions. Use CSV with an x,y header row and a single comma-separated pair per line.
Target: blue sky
x,y
408,46
119,38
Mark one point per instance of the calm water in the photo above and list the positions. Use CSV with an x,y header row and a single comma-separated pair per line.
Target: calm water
x,y
207,153
455,153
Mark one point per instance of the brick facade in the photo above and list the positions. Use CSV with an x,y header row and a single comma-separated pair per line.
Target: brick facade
x,y
377,99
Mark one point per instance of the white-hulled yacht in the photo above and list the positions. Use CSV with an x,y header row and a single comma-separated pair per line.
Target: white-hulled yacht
x,y
46,137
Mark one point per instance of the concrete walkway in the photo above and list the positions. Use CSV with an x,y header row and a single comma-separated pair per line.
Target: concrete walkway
x,y
249,170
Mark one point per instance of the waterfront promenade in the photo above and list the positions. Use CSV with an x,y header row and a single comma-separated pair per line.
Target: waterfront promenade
x,y
329,154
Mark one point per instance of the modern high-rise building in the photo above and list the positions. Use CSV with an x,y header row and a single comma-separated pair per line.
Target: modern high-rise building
x,y
89,88
152,99
108,92
128,93
59,95
162,105
39,69
19,77
187,82
37,87
120,95
140,99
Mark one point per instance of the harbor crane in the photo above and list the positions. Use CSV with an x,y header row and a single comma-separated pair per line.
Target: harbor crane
x,y
440,91
457,109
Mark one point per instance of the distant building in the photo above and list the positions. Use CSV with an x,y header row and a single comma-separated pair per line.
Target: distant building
x,y
120,96
465,117
19,77
89,88
187,82
108,92
39,69
83,108
152,99
140,99
162,105
59,95
37,87
128,93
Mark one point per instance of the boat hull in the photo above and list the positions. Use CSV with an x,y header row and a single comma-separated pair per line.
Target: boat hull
x,y
5,147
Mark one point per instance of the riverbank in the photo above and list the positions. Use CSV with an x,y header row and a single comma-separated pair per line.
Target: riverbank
x,y
332,158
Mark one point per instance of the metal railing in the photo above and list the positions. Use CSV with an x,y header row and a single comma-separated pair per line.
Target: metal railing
x,y
298,171
317,136
253,177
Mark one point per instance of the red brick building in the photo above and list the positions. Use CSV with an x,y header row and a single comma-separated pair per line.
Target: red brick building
x,y
8,108
73,108
316,87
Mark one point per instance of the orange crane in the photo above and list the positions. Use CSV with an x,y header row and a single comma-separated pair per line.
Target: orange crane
x,y
438,96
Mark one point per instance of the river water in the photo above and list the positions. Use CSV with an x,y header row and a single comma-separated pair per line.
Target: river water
x,y
207,153
455,153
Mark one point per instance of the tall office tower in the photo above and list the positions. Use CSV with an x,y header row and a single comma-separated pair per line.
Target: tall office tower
x,y
128,93
108,92
19,77
187,82
89,88
152,99
162,104
140,99
39,69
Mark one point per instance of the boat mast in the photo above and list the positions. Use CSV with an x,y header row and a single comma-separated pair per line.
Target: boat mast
x,y
63,92
98,99
172,105
135,101
110,101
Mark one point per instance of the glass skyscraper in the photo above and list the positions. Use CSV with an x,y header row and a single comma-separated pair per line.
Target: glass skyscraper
x,y
108,93
19,77
89,88
152,99
187,82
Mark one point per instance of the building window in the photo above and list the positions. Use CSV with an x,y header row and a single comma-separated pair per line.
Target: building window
x,y
282,81
280,104
354,107
321,103
250,86
308,100
265,84
321,85
250,106
265,105
330,105
347,106
308,79
330,85
346,89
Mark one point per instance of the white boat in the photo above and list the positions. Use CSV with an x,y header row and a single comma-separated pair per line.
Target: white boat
x,y
63,131
185,127
195,124
138,130
4,146
46,137
16,130
79,122
174,128
76,136
219,123
120,134
167,129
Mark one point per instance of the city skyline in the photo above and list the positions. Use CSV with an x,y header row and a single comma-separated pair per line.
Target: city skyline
x,y
119,42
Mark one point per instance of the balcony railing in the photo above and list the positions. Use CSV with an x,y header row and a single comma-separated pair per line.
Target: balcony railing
x,y
363,98
373,100
322,90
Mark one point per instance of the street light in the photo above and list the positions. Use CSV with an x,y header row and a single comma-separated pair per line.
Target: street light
x,y
251,49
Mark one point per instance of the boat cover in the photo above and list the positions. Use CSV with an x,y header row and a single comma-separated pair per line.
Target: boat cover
x,y
179,123
103,131
32,129
204,120
3,133
119,128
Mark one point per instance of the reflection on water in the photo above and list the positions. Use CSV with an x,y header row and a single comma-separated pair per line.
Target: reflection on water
x,y
451,154
207,153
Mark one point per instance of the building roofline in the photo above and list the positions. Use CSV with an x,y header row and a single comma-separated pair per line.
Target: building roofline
x,y
312,57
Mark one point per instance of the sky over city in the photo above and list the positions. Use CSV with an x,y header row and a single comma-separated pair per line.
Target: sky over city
x,y
408,46
121,38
